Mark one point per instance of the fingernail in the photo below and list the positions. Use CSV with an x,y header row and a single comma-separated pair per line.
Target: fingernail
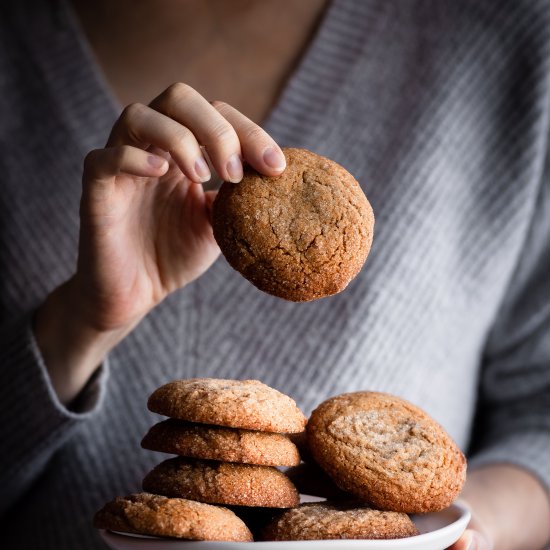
x,y
155,161
235,169
274,159
202,170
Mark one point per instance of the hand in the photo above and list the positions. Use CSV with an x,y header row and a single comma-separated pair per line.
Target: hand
x,y
471,540
145,222
510,510
145,228
474,538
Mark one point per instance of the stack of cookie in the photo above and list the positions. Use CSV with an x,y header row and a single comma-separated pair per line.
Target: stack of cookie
x,y
229,438
376,457
228,435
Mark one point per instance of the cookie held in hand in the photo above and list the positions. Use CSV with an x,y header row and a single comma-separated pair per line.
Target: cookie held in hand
x,y
300,236
155,515
386,451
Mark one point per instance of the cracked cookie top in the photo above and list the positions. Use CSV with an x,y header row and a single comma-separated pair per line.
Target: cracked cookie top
x,y
338,520
148,514
300,236
386,451
246,404
222,483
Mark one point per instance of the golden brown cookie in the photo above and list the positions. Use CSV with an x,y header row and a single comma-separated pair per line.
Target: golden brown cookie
x,y
222,483
219,443
159,516
246,404
302,235
386,451
337,520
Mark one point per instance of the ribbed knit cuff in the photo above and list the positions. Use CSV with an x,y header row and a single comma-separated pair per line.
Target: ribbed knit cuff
x,y
529,450
35,422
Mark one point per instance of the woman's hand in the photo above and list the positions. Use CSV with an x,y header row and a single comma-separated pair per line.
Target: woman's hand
x,y
145,228
145,223
474,538
510,510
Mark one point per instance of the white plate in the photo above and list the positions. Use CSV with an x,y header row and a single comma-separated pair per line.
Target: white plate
x,y
438,531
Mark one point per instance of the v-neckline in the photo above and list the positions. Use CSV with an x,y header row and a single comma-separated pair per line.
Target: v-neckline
x,y
72,71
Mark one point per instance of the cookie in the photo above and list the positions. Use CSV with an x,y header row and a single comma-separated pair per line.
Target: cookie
x,y
246,404
387,452
147,514
300,236
337,520
219,443
222,483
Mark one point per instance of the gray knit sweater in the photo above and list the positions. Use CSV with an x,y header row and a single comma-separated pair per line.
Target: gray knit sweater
x,y
439,108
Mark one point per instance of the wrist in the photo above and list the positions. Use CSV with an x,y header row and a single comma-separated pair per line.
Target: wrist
x,y
71,347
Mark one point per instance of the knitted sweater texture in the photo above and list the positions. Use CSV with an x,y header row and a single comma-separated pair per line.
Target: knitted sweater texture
x,y
440,108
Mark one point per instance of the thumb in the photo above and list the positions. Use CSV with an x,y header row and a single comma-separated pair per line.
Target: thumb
x,y
471,540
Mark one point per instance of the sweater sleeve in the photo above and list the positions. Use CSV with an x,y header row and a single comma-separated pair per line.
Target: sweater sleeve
x,y
513,421
35,423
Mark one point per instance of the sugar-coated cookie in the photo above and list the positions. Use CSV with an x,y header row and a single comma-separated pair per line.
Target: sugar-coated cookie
x,y
222,483
386,451
300,236
247,404
338,520
220,443
148,514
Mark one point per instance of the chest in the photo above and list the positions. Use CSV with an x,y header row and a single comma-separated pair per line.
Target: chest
x,y
238,52
250,83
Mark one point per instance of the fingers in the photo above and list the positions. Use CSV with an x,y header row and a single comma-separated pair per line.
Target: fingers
x,y
471,540
258,148
142,126
180,120
463,542
184,104
101,166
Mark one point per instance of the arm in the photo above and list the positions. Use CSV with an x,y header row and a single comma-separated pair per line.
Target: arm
x,y
145,224
35,424
145,232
